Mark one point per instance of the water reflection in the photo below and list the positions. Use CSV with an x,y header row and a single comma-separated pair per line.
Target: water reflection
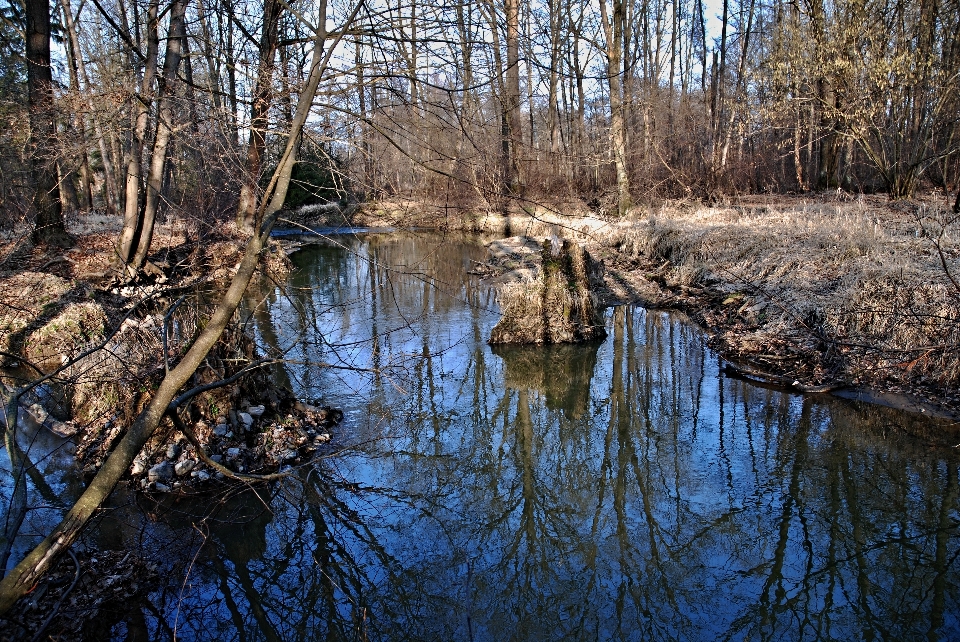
x,y
623,490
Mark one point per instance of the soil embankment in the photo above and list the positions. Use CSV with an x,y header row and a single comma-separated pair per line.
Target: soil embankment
x,y
110,342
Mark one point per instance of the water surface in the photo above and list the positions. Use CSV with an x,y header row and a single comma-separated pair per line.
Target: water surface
x,y
622,490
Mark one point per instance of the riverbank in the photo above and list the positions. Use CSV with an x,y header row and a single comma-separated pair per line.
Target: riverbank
x,y
812,293
111,341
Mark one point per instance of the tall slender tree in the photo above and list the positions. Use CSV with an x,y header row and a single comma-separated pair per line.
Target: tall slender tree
x,y
49,227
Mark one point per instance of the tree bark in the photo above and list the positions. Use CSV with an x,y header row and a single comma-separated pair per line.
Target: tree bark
x,y
49,226
613,33
130,235
38,561
281,179
176,35
259,112
511,100
25,575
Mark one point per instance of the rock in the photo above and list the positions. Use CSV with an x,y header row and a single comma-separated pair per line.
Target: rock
x,y
222,419
256,411
161,472
287,454
220,430
233,453
184,467
139,467
173,450
161,487
200,475
39,413
217,459
61,428
245,419
557,306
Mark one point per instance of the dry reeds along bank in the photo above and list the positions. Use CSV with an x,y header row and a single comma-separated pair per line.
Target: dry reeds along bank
x,y
866,283
556,304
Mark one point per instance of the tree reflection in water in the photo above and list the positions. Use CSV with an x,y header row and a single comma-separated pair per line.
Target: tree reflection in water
x,y
624,490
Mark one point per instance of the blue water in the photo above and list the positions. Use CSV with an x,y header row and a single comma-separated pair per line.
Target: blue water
x,y
625,490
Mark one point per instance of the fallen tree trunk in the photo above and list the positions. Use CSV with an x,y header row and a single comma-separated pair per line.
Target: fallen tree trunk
x,y
25,575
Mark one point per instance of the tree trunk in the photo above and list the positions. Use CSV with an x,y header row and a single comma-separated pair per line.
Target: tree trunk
x,y
130,235
158,156
259,115
553,116
318,63
49,225
613,32
26,574
513,135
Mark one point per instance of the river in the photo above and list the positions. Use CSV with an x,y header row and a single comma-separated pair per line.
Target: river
x,y
624,490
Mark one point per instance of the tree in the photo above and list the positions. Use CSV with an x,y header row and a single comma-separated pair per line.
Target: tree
x,y
613,25
143,192
260,108
49,227
35,564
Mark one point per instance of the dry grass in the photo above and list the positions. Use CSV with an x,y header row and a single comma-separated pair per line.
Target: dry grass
x,y
862,280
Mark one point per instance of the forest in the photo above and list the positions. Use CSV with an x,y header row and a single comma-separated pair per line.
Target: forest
x,y
187,107
785,172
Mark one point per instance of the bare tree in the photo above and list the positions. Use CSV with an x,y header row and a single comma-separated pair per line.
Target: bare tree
x,y
49,226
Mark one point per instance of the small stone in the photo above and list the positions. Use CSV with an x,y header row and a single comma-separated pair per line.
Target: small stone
x,y
221,419
233,453
217,459
256,411
161,472
229,435
246,419
200,475
184,467
139,467
287,455
323,438
220,430
38,412
161,487
173,450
